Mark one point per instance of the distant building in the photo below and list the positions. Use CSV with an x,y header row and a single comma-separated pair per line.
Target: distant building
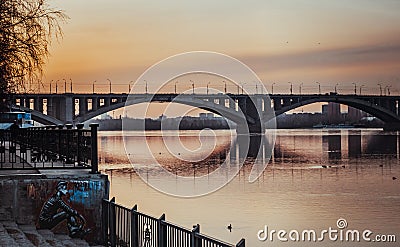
x,y
325,109
334,113
105,116
354,115
204,115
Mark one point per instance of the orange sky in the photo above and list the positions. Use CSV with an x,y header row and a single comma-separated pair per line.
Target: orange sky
x,y
298,41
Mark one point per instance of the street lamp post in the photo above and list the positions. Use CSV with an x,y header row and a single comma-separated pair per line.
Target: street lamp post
x,y
50,85
388,89
70,84
337,84
361,89
237,88
291,87
224,85
93,86
301,84
57,86
110,84
175,86
272,88
129,86
355,88
192,86
145,86
207,87
243,88
380,88
65,86
319,87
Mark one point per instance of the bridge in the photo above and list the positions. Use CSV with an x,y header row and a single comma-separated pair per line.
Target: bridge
x,y
253,111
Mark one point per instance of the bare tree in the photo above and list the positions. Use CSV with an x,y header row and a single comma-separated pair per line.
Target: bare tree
x,y
26,30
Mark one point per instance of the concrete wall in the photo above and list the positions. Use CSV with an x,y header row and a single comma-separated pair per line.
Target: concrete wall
x,y
22,197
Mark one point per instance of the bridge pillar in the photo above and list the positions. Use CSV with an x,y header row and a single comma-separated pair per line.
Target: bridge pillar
x,y
82,106
50,107
95,103
107,101
38,104
267,105
250,108
69,109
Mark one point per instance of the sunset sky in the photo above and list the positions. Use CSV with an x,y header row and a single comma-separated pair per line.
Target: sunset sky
x,y
299,41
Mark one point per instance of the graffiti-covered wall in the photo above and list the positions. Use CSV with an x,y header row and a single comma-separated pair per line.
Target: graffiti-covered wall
x,y
64,204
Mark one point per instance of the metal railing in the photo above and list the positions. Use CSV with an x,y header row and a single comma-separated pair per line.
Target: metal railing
x,y
124,227
49,147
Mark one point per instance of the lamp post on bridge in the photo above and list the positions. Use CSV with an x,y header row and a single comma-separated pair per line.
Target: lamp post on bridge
x,y
361,88
50,85
70,84
129,86
57,86
355,88
301,84
224,86
242,87
291,87
272,88
93,86
110,84
388,90
207,87
175,86
65,86
380,88
319,87
337,84
192,86
145,86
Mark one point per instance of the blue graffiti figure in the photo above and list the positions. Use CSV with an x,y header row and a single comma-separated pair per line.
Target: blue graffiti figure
x,y
55,210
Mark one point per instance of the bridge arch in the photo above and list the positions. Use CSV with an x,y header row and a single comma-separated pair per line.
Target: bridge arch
x,y
380,112
229,113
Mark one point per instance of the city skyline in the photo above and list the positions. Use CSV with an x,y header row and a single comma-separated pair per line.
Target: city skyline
x,y
282,41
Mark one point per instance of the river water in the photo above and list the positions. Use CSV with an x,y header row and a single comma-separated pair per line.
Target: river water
x,y
314,178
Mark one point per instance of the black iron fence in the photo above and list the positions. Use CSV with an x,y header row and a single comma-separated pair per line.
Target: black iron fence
x,y
49,147
127,227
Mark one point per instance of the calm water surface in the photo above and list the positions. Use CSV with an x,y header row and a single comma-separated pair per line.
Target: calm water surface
x,y
314,178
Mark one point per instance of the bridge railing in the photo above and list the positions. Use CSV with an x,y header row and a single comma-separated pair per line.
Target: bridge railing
x,y
49,147
128,227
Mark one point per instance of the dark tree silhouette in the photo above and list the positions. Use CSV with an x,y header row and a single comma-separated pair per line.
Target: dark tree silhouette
x,y
26,30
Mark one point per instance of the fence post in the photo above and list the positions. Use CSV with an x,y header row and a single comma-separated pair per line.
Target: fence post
x,y
195,242
112,222
241,243
79,127
94,157
105,223
134,227
162,232
68,136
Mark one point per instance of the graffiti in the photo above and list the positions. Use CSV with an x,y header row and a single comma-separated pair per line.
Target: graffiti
x,y
55,210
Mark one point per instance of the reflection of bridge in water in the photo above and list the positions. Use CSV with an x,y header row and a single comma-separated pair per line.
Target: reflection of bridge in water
x,y
253,111
334,146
